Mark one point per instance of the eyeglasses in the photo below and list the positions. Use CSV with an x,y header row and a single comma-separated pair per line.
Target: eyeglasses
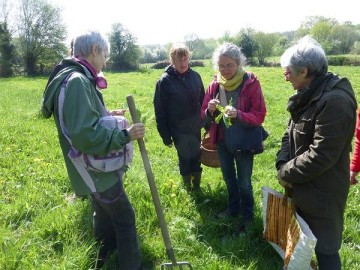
x,y
287,73
227,67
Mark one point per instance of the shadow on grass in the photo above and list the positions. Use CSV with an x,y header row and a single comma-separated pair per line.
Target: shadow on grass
x,y
245,250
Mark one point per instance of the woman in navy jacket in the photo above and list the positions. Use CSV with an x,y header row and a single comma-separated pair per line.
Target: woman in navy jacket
x,y
178,97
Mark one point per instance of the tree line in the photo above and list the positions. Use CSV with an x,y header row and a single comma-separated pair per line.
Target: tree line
x,y
34,41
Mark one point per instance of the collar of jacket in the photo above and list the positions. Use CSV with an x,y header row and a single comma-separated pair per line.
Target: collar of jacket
x,y
320,85
171,71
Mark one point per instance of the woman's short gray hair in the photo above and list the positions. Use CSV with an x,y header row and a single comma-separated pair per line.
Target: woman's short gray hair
x,y
84,42
307,52
229,50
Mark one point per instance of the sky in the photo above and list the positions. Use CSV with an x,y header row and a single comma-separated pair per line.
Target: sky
x,y
166,21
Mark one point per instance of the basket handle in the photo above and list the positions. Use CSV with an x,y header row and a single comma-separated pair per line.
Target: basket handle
x,y
204,135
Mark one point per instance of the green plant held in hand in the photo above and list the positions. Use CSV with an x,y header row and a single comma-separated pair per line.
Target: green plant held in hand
x,y
223,114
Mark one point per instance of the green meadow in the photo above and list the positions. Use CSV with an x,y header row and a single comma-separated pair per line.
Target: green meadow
x,y
43,226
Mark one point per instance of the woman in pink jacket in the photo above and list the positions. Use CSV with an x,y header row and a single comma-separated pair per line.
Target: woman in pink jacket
x,y
233,111
355,162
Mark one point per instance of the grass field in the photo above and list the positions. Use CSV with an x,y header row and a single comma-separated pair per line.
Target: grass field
x,y
42,226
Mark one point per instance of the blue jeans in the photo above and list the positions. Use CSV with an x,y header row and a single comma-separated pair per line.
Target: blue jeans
x,y
114,225
237,170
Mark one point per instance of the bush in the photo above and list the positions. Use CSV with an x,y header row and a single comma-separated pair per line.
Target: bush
x,y
161,64
343,60
197,63
165,63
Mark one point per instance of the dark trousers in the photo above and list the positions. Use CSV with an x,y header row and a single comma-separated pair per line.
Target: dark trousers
x,y
114,225
188,150
328,262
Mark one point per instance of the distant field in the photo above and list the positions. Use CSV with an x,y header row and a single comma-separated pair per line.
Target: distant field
x,y
42,227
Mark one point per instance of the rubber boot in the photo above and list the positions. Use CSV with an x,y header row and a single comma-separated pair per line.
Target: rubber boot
x,y
196,180
187,181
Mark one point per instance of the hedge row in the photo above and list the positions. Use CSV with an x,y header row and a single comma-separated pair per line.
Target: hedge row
x,y
333,60
164,64
344,60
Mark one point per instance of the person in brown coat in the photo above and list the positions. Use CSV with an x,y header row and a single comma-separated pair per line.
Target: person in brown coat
x,y
314,157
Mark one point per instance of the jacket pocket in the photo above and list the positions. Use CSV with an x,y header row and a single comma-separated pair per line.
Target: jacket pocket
x,y
303,133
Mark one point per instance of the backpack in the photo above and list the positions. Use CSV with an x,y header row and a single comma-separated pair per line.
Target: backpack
x,y
116,160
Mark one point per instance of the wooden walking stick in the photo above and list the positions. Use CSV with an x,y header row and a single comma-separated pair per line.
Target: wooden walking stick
x,y
155,195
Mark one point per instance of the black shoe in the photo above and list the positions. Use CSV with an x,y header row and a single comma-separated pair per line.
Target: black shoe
x,y
240,231
100,263
243,227
187,182
226,214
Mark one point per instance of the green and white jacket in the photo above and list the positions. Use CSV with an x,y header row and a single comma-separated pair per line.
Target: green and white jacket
x,y
82,111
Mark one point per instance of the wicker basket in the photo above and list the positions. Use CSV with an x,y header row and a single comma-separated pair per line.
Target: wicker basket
x,y
209,154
